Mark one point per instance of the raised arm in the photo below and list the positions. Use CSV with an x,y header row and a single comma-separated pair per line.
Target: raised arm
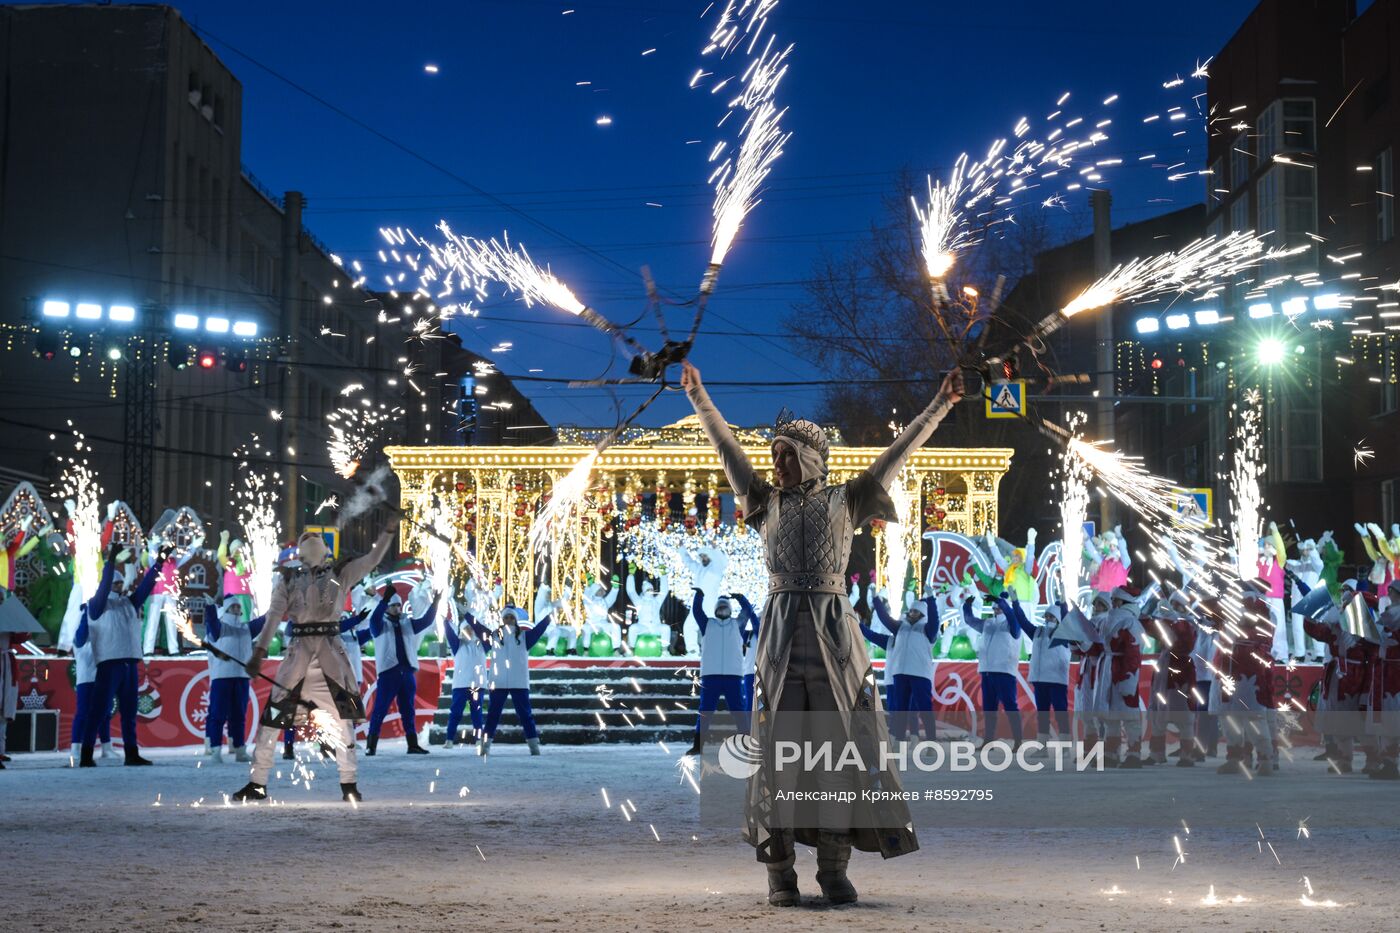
x,y
376,619
746,613
918,431
874,637
212,628
1030,552
632,594
453,641
354,571
255,627
98,604
535,632
1280,548
421,624
80,638
1125,558
697,609
737,467
998,559
882,610
148,581
970,617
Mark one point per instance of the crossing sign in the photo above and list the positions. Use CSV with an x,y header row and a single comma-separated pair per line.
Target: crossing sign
x,y
1194,506
1006,399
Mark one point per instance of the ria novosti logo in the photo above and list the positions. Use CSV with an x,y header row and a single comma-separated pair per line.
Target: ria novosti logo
x,y
740,756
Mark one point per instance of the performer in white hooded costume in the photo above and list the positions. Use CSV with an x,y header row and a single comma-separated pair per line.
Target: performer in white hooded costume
x,y
648,602
598,601
706,575
315,667
811,657
1307,570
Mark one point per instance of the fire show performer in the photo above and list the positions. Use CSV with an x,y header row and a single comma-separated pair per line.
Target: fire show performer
x,y
228,680
315,667
510,668
396,642
810,655
909,656
113,622
721,665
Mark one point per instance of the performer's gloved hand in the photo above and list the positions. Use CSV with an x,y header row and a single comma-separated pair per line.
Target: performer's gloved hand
x,y
113,550
255,663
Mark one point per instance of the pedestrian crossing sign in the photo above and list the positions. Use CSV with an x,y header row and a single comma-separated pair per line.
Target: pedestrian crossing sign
x,y
1006,399
331,535
1194,507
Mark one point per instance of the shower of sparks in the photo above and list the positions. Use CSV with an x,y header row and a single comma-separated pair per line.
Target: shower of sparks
x,y
1247,522
80,488
330,502
435,518
354,431
737,181
554,520
257,497
896,544
1200,268
325,730
995,182
1074,509
1361,455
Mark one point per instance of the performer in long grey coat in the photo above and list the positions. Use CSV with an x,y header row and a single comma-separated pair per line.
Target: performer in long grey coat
x,y
811,658
315,667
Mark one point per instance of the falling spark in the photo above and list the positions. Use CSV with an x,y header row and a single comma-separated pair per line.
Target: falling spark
x,y
565,496
1074,509
330,502
1361,455
606,802
737,181
1199,267
1247,521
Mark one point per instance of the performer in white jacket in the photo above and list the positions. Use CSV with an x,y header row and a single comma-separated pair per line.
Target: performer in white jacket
x,y
509,660
706,576
649,602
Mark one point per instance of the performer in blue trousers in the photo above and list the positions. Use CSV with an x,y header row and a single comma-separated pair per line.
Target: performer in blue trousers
x,y
113,623
227,631
721,665
396,658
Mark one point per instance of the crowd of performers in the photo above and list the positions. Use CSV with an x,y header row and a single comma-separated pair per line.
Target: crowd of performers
x,y
1205,694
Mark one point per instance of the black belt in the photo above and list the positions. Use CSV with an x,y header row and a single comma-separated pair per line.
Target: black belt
x,y
307,629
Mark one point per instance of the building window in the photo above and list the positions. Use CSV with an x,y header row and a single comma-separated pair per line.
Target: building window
x,y
1239,213
1294,424
1298,126
1389,394
1268,133
1240,157
1384,170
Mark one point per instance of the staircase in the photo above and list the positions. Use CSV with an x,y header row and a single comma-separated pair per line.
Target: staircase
x,y
590,703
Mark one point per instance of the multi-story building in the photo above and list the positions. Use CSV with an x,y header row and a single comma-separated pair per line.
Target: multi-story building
x,y
1302,126
165,303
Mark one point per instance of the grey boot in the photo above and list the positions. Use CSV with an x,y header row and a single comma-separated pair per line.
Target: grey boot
x,y
833,852
782,878
534,746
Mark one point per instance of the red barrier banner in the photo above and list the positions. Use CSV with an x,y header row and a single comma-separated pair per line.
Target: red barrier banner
x,y
173,697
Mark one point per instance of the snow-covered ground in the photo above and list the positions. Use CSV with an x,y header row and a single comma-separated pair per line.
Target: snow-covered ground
x,y
449,841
